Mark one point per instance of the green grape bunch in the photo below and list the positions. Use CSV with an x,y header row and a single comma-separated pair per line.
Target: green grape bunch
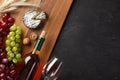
x,y
13,44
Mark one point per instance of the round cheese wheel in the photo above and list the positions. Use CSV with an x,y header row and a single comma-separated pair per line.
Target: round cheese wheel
x,y
33,18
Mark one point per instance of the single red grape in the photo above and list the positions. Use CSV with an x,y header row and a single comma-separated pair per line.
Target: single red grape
x,y
2,66
13,73
2,76
2,55
5,60
5,17
4,24
11,20
12,66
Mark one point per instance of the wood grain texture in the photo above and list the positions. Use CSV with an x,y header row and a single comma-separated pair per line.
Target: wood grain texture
x,y
57,11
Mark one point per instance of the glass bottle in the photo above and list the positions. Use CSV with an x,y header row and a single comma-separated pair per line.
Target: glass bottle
x,y
31,61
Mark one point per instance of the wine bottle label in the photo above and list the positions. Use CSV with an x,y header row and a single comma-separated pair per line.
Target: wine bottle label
x,y
39,43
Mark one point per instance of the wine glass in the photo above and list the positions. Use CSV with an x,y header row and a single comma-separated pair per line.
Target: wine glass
x,y
52,69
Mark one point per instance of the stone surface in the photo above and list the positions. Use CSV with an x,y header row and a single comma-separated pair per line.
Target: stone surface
x,y
89,43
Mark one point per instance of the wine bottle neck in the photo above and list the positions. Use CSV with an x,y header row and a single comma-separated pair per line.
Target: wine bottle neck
x,y
38,44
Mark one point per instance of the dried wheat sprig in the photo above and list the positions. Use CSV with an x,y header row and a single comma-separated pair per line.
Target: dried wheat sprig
x,y
17,4
11,5
5,4
9,9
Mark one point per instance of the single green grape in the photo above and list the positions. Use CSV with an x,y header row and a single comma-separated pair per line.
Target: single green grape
x,y
14,49
9,58
9,52
7,42
12,33
18,31
12,38
18,56
18,28
13,28
11,55
12,43
14,60
17,36
8,48
8,36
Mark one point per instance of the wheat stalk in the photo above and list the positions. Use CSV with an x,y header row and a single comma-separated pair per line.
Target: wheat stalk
x,y
11,5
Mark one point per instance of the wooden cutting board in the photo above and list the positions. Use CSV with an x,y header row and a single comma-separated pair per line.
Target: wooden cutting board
x,y
57,11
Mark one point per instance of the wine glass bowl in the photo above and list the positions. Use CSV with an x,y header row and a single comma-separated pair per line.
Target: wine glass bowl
x,y
52,69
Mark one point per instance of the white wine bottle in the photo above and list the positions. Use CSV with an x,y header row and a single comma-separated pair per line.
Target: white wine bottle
x,y
31,61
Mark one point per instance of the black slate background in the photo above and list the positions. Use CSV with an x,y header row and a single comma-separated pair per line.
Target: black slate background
x,y
89,43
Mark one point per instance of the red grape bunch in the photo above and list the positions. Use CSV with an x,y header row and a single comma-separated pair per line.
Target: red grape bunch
x,y
7,68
